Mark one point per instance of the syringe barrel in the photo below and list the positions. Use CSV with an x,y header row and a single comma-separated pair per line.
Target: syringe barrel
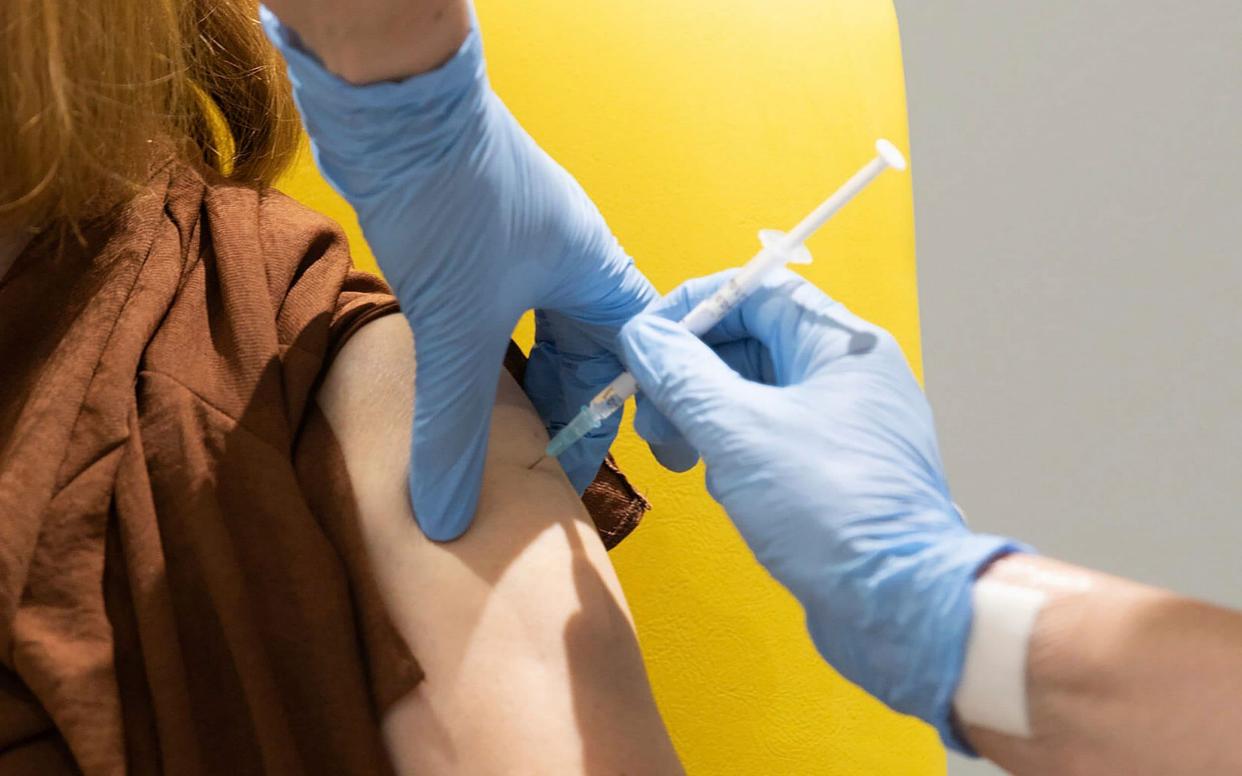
x,y
699,321
714,308
613,397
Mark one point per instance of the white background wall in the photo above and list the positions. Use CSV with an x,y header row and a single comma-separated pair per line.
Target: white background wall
x,y
1078,200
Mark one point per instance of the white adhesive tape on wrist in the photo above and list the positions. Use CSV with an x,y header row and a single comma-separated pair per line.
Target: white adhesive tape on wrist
x,y
992,693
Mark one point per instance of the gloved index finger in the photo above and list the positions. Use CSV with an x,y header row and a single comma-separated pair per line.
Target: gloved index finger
x,y
455,392
678,303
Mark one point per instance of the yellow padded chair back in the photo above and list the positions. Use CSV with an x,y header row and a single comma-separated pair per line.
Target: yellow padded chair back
x,y
693,124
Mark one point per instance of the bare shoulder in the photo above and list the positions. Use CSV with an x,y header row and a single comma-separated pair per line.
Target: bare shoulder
x,y
368,396
524,606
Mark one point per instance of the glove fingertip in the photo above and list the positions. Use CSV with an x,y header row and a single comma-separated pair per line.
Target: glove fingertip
x,y
444,477
676,456
443,513
654,346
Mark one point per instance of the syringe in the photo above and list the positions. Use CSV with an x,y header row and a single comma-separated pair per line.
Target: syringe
x,y
779,249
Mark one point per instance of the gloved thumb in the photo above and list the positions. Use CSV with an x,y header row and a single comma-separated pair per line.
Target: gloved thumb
x,y
680,375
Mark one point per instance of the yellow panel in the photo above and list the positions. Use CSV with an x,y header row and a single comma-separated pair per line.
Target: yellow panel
x,y
694,124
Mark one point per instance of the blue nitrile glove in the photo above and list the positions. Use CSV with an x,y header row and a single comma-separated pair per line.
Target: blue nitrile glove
x,y
826,460
472,224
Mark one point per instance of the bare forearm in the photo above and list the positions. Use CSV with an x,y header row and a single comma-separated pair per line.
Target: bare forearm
x,y
1122,678
366,41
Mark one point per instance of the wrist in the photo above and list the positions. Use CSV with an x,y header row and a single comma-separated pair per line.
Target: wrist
x,y
992,690
916,600
1027,608
965,561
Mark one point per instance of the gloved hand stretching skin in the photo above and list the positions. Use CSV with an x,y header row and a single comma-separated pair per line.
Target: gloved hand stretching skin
x,y
472,225
820,445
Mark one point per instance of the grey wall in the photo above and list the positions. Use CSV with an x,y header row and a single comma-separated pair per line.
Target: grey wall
x,y
1078,200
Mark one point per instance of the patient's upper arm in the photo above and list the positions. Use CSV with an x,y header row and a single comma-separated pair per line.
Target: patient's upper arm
x,y
520,626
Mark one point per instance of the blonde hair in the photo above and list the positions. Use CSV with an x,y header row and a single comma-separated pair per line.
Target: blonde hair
x,y
95,92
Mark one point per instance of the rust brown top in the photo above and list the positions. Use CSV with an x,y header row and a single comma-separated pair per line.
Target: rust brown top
x,y
182,582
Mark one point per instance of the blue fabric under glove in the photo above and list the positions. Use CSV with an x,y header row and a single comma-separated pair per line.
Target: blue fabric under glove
x,y
820,445
472,225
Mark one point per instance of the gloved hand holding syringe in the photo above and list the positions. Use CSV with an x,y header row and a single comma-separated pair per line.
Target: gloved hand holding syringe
x,y
778,250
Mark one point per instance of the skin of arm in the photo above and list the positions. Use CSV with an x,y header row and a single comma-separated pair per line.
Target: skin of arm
x,y
531,660
1122,678
365,41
